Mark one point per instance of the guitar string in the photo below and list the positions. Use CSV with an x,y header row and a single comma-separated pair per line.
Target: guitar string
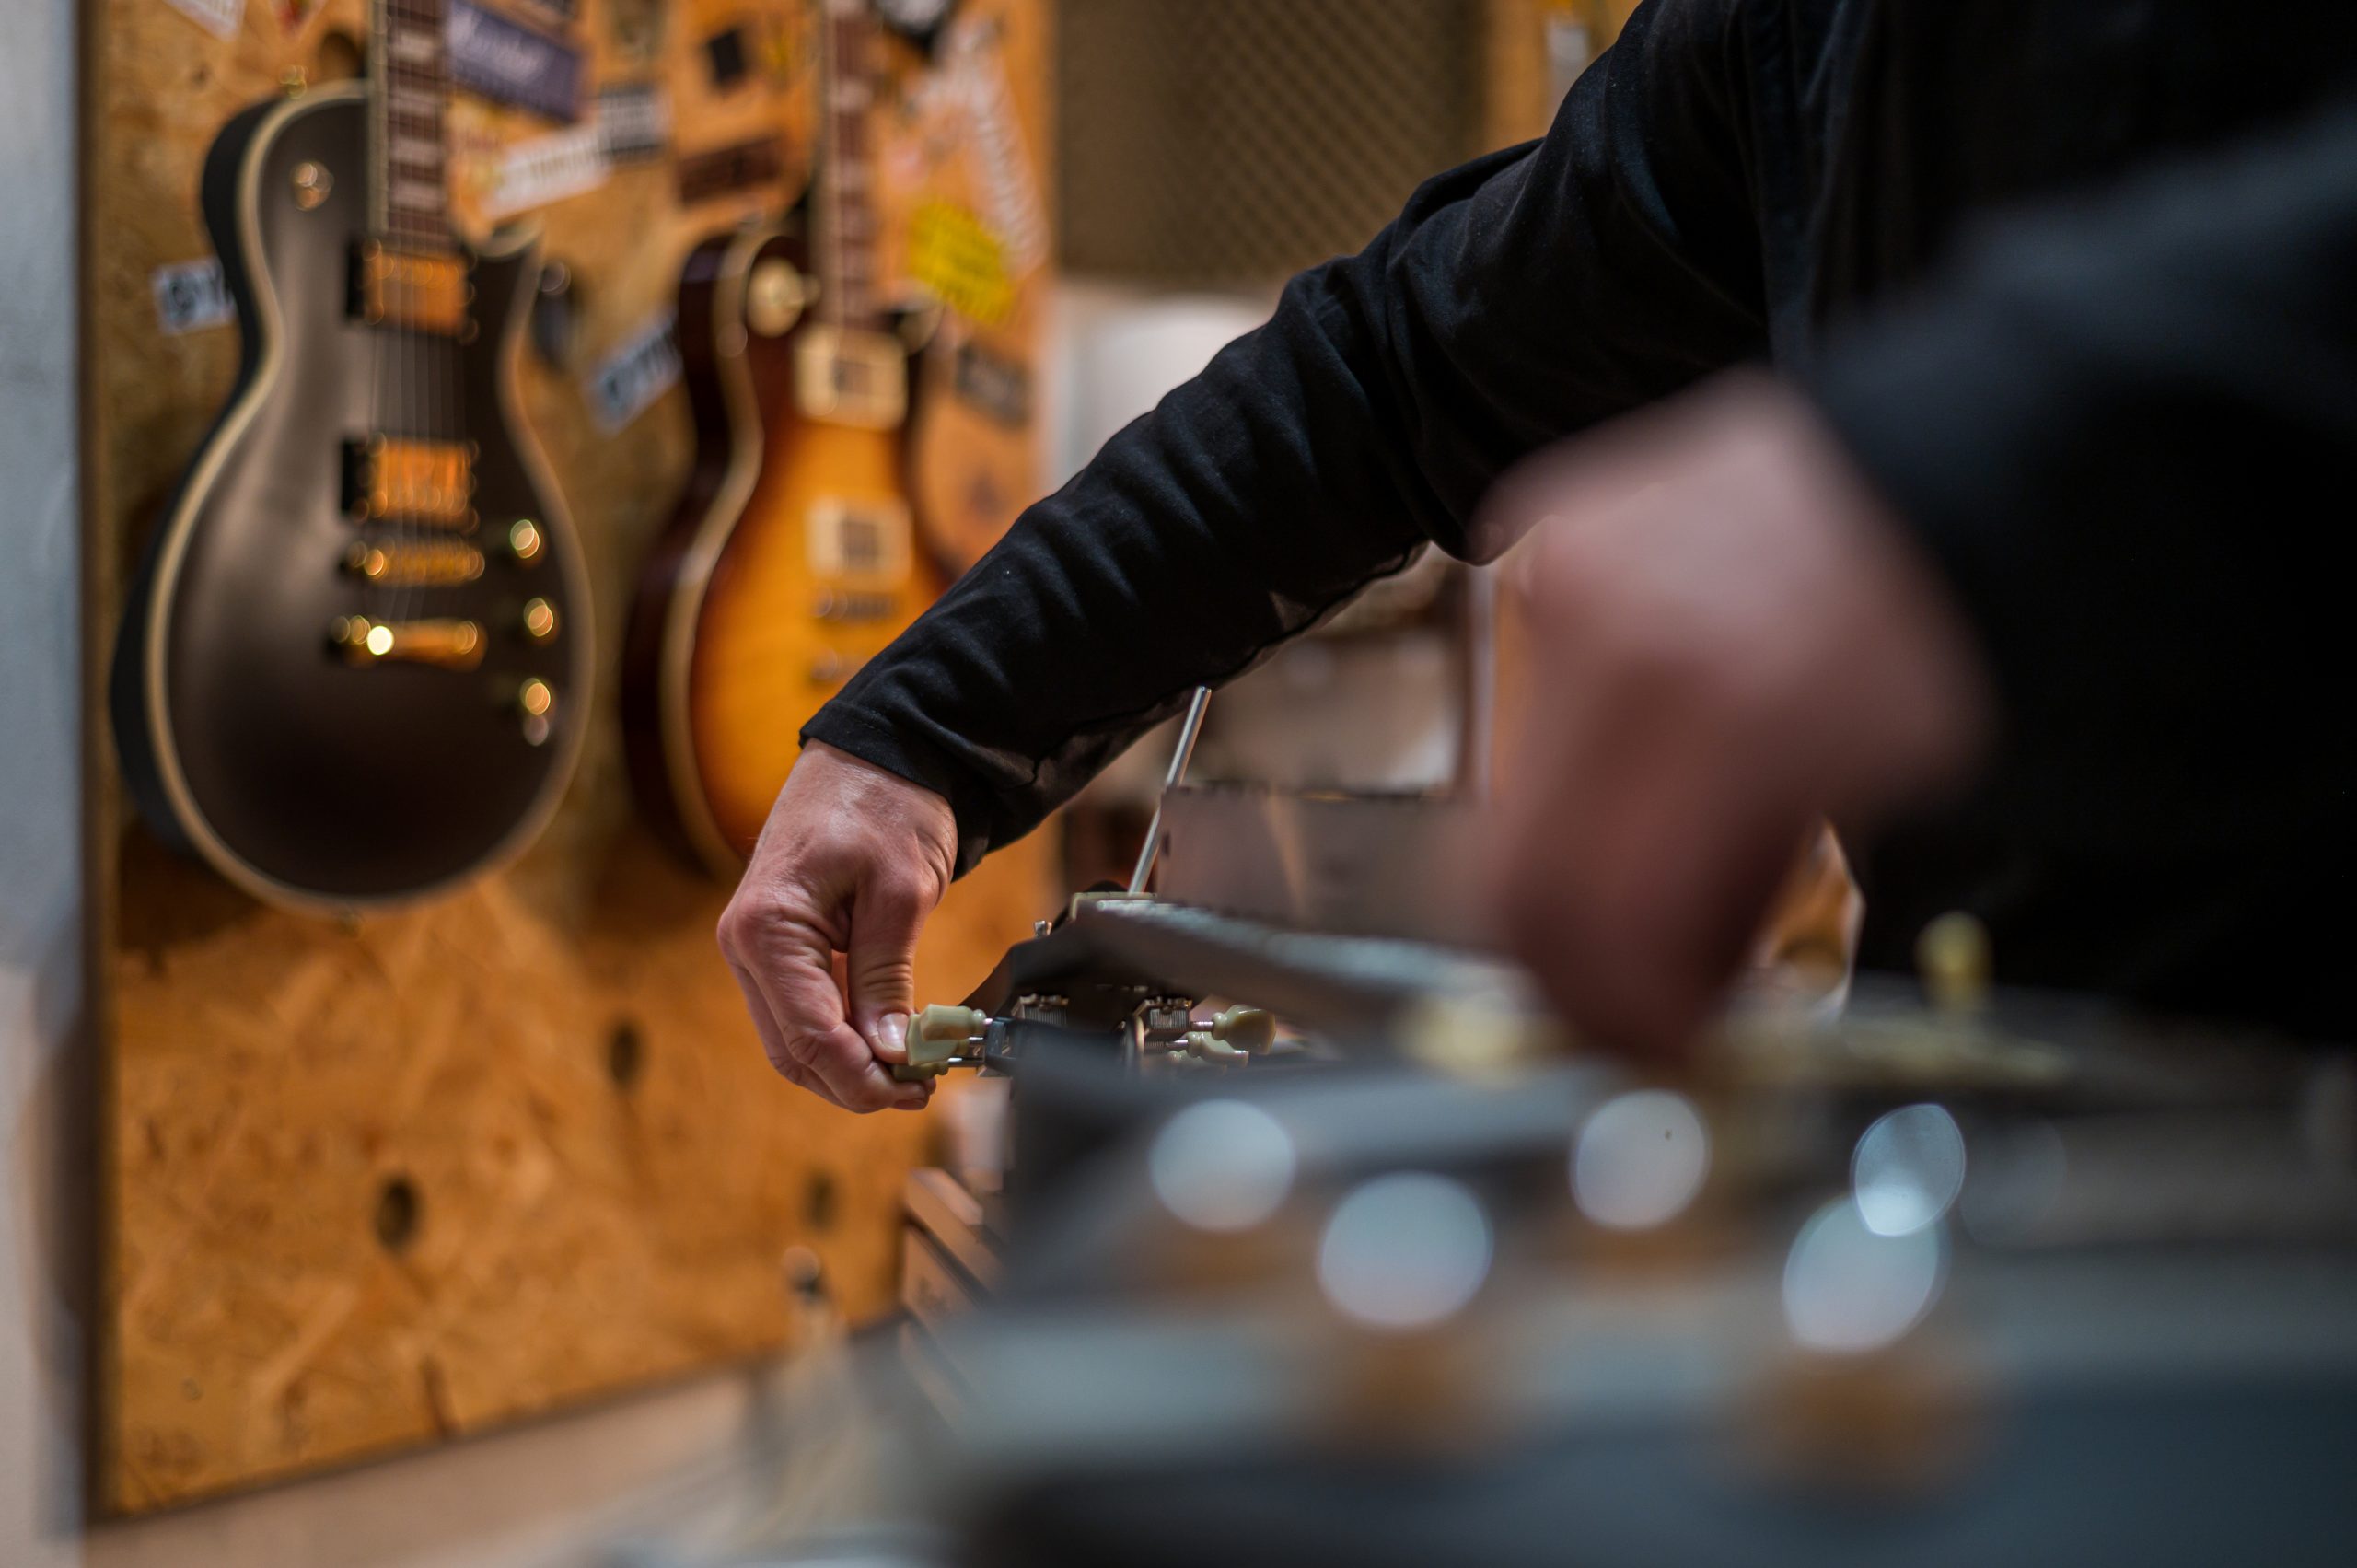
x,y
378,231
435,349
393,323
452,353
417,517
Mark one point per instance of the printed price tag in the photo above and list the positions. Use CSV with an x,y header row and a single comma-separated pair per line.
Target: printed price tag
x,y
222,19
190,295
626,383
544,169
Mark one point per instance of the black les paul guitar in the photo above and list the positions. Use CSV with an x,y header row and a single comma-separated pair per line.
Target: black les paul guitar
x,y
355,664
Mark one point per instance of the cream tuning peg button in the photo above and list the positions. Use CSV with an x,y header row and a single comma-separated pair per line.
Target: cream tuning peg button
x,y
1249,1029
1209,1046
938,1032
1952,955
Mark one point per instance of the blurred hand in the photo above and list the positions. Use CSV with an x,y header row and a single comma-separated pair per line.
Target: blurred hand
x,y
851,862
1730,639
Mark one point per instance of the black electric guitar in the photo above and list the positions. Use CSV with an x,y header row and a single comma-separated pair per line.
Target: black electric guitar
x,y
355,664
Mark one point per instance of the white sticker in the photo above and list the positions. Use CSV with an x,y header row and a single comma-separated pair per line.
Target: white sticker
x,y
222,19
191,296
1010,185
628,380
547,169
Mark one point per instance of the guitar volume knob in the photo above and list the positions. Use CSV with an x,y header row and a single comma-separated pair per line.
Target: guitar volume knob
x,y
539,620
525,541
536,709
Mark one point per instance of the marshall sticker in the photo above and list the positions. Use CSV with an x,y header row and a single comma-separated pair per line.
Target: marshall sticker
x,y
509,63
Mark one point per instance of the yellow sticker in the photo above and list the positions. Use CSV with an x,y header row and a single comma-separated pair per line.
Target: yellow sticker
x,y
956,258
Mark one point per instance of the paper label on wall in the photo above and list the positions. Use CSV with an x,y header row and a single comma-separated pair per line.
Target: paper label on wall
x,y
1010,184
545,168
953,257
191,296
627,381
633,122
222,19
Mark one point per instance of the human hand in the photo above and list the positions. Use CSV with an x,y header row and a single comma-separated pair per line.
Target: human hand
x,y
1731,638
851,863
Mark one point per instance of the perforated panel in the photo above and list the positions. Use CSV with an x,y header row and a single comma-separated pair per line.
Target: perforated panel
x,y
1230,142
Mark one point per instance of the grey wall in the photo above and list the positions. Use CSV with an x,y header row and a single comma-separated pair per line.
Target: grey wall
x,y
544,1494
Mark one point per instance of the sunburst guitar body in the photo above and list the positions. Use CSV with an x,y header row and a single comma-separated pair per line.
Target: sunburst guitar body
x,y
791,559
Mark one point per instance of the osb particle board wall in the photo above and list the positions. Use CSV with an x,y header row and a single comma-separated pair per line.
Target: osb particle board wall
x,y
373,1183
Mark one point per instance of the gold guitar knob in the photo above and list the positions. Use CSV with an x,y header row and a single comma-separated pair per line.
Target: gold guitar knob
x,y
539,620
525,541
313,183
536,708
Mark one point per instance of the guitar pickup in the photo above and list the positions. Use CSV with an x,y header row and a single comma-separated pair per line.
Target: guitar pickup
x,y
415,563
411,291
445,644
844,377
429,482
855,609
862,537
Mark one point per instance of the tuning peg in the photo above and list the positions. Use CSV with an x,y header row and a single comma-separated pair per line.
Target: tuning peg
x,y
1249,1029
1953,959
939,1032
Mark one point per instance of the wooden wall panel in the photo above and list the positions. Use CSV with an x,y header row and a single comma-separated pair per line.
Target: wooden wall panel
x,y
376,1182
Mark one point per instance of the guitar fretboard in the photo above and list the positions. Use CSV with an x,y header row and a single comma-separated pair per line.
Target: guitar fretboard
x,y
846,207
411,81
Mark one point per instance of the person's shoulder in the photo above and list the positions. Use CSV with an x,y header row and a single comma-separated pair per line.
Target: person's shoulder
x,y
1792,38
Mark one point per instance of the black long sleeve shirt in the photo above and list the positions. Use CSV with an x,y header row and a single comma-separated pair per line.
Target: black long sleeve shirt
x,y
2075,280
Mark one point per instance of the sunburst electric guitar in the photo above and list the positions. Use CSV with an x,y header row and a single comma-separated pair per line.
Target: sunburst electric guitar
x,y
791,559
353,666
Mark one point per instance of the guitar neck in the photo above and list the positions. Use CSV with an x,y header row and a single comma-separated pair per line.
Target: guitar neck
x,y
846,250
410,78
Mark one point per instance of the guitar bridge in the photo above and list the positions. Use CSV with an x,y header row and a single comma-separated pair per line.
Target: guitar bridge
x,y
445,644
415,563
430,482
